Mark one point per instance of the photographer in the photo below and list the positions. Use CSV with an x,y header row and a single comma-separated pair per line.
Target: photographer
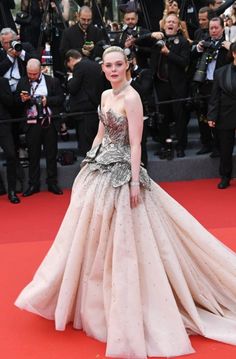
x,y
212,54
14,56
169,60
6,142
13,59
41,97
131,38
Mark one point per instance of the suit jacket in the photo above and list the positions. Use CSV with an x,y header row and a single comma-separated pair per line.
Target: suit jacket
x,y
73,38
6,18
6,64
55,97
177,61
141,48
222,104
6,101
85,87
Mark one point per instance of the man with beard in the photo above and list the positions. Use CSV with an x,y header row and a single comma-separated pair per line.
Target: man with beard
x,y
131,38
83,36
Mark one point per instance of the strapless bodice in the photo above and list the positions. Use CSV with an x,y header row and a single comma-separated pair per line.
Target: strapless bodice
x,y
113,154
116,127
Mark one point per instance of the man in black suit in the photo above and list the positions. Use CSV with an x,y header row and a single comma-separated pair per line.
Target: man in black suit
x,y
83,36
85,88
218,56
6,141
41,97
221,115
169,60
13,60
131,38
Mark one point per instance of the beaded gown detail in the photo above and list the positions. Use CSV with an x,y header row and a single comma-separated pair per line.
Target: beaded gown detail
x,y
139,279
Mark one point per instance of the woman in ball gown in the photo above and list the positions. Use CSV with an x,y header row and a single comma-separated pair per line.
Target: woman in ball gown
x,y
130,266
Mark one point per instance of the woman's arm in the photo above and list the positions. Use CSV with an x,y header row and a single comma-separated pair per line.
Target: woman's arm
x,y
134,112
99,136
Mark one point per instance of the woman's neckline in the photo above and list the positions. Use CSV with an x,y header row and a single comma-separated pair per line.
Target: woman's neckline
x,y
120,89
110,109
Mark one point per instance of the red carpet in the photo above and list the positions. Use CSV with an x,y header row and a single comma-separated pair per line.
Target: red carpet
x,y
26,233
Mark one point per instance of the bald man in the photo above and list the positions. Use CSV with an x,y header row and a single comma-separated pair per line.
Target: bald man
x,y
83,36
41,96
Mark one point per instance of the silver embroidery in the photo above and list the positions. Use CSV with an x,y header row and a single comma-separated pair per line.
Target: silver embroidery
x,y
113,154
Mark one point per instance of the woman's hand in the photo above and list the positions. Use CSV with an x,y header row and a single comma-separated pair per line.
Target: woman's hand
x,y
211,124
134,195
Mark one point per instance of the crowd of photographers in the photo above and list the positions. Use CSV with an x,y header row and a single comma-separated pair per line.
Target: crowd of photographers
x,y
52,66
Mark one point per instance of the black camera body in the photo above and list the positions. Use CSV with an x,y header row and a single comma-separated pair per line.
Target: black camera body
x,y
208,45
210,50
163,42
38,102
132,32
16,45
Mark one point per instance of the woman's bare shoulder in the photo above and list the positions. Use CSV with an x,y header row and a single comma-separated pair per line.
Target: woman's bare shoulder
x,y
105,94
131,94
132,99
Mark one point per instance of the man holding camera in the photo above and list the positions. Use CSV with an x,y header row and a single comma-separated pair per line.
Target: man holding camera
x,y
169,60
41,97
212,54
14,56
131,38
6,142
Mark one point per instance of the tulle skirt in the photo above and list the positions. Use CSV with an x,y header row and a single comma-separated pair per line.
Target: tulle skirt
x,y
139,279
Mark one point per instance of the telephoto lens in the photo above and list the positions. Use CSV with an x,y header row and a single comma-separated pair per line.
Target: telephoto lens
x,y
169,149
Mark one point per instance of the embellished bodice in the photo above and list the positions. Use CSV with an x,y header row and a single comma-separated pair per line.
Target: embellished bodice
x,y
113,154
116,128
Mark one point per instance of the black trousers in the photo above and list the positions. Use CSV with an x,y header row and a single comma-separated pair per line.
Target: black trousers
x,y
7,144
226,144
208,135
174,112
36,136
86,129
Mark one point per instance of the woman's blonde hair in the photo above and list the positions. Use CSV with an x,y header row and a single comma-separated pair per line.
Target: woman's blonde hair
x,y
114,49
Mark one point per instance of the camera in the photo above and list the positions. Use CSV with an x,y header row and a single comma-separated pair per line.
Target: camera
x,y
163,42
38,102
208,45
210,50
16,45
160,43
132,32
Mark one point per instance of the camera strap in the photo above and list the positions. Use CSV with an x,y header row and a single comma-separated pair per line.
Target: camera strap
x,y
33,89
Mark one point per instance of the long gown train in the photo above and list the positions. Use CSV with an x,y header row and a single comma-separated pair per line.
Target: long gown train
x,y
140,279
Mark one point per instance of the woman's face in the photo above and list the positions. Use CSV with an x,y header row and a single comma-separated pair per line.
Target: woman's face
x,y
114,66
172,7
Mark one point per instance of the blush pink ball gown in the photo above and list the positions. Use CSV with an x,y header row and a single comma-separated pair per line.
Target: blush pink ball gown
x,y
140,279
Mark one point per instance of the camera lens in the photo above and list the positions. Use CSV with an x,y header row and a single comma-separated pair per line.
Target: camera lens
x,y
16,45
